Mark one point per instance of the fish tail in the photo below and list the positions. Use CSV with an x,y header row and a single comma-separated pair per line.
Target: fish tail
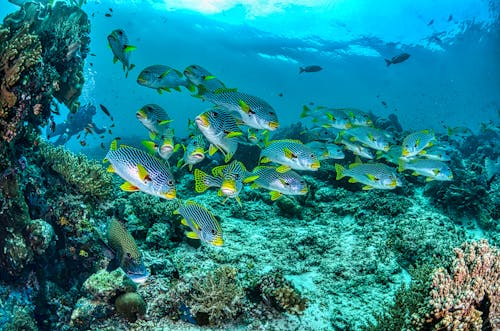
x,y
200,181
340,171
301,70
401,165
388,62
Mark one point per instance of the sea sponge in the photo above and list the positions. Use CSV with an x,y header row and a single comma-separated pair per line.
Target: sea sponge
x,y
131,306
87,176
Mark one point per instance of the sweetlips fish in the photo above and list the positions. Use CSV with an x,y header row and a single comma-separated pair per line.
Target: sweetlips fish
x,y
141,171
319,133
257,137
357,149
416,142
154,118
118,42
370,137
392,155
128,256
327,117
438,153
291,154
431,169
373,175
163,78
203,224
253,111
229,178
311,68
288,183
326,150
220,129
194,153
358,117
166,148
198,75
397,59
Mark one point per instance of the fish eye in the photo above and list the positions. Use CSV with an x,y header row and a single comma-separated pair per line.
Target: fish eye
x,y
170,182
120,32
272,113
236,176
195,143
215,114
312,155
287,183
213,232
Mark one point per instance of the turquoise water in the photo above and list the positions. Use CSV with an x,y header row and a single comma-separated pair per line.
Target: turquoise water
x,y
346,253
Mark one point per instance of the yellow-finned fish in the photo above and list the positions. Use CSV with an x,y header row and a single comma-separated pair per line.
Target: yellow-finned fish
x,y
431,169
253,111
155,119
357,149
288,183
198,75
373,175
228,178
220,129
370,137
194,153
141,171
163,78
416,142
167,147
203,224
358,117
118,42
128,256
326,150
327,117
291,154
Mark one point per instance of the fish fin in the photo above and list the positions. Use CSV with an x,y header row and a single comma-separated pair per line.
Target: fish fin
x,y
217,171
422,152
151,146
275,195
301,70
371,177
110,168
401,165
239,201
152,135
115,59
254,186
200,181
176,212
305,111
428,179
244,106
114,145
128,187
367,187
289,154
414,173
208,77
265,159
250,179
282,169
159,90
357,160
190,167
352,180
180,164
202,90
234,134
165,73
228,157
130,67
340,171
128,48
166,89
192,235
184,222
177,88
165,122
191,87
388,62
176,147
219,193
212,149
143,173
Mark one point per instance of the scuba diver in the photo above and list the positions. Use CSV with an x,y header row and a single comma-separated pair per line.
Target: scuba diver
x,y
74,124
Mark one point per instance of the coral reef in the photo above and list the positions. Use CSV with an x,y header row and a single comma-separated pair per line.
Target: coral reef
x,y
130,305
88,177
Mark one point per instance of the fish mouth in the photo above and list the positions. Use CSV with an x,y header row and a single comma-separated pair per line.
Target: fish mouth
x,y
304,190
200,155
405,152
273,125
228,187
140,114
141,80
170,194
218,241
202,120
138,278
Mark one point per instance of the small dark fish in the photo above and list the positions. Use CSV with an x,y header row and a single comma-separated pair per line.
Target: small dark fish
x,y
397,59
88,130
384,104
112,125
83,142
430,22
111,9
105,110
92,54
311,103
450,17
52,124
102,146
107,15
280,95
110,132
78,137
101,136
91,64
313,68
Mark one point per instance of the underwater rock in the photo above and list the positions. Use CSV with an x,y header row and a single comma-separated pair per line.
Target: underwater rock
x,y
131,306
87,312
18,253
289,207
105,286
40,234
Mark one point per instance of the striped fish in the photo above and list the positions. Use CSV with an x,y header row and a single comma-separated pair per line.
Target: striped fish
x,y
291,154
154,118
203,224
288,183
141,171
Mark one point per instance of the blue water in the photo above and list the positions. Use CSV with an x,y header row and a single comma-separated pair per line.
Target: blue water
x,y
451,79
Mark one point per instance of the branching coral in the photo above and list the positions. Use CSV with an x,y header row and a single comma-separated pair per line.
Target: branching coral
x,y
468,296
280,293
217,296
87,176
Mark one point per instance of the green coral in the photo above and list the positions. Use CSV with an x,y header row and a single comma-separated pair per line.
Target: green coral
x,y
105,286
89,177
